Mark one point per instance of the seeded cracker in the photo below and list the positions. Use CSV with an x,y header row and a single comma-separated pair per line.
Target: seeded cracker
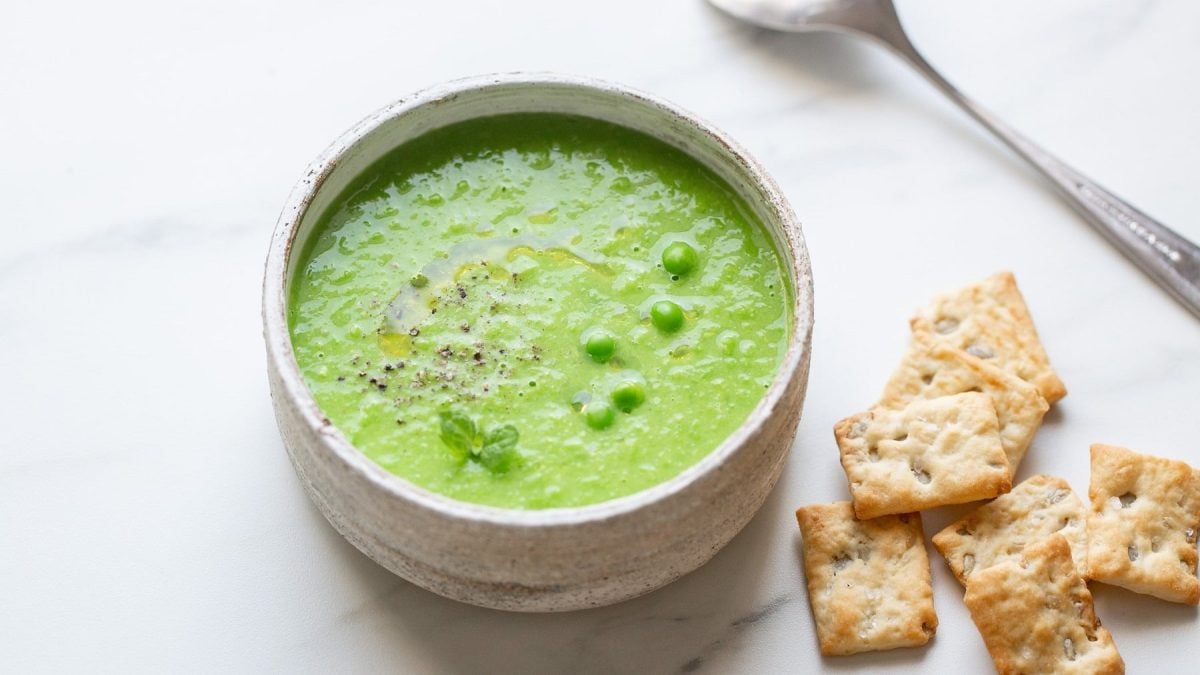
x,y
990,321
930,370
1036,615
868,580
934,452
1143,522
1002,529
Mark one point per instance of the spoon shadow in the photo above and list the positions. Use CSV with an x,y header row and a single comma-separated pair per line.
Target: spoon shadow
x,y
838,63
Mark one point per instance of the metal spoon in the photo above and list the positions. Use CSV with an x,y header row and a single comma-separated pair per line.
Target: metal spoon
x,y
1169,258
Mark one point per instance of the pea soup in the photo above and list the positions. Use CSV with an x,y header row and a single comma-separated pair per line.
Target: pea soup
x,y
538,310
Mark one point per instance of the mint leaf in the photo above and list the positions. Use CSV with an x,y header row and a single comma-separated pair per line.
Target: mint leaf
x,y
504,437
499,451
458,432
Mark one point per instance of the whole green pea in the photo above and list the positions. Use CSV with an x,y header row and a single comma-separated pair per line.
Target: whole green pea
x,y
600,345
628,395
666,316
679,258
599,415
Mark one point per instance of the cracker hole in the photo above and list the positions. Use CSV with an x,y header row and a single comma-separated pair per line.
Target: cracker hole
x,y
921,474
946,325
1068,522
901,437
927,379
1133,552
1154,542
964,531
841,562
926,628
1127,499
1069,649
980,351
873,453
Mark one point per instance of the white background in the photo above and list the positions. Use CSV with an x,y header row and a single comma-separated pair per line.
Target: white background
x,y
149,518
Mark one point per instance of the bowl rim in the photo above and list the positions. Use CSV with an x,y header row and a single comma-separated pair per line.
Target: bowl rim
x,y
282,360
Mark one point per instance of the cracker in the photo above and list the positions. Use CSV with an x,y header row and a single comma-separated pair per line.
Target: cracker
x,y
934,452
1036,615
868,580
1143,522
930,370
999,531
990,320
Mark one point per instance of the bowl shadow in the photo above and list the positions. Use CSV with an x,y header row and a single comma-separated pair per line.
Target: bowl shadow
x,y
677,628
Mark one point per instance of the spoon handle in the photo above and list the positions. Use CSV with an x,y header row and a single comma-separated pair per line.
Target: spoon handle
x,y
1166,256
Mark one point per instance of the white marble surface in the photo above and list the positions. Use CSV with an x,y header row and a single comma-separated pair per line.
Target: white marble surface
x,y
149,519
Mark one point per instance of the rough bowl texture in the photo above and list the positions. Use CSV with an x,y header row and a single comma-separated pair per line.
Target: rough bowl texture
x,y
555,559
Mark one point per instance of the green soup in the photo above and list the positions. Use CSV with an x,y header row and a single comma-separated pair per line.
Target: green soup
x,y
538,310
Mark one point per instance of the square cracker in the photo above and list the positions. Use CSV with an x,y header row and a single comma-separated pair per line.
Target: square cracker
x,y
1036,615
930,370
1143,522
1002,529
868,580
934,452
989,320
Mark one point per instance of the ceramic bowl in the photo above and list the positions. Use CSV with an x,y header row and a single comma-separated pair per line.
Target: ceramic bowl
x,y
553,559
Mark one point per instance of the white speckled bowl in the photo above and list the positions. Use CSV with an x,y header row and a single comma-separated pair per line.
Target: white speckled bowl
x,y
555,559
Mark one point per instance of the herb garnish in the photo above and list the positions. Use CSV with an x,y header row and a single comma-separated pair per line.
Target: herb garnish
x,y
495,450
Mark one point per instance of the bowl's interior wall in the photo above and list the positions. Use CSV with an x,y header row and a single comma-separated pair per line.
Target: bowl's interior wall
x,y
408,119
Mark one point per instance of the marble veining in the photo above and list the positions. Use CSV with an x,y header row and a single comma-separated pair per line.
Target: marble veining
x,y
149,517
